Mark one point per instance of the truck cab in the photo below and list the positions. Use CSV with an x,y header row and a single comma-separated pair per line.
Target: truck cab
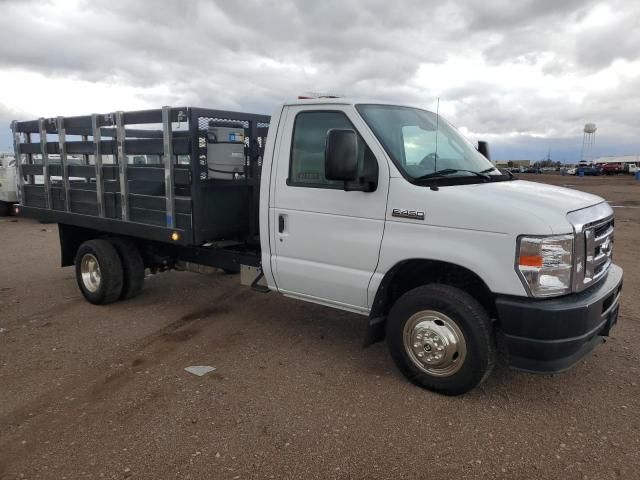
x,y
388,211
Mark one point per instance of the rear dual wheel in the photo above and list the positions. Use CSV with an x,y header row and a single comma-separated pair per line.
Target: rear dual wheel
x,y
109,270
99,272
132,267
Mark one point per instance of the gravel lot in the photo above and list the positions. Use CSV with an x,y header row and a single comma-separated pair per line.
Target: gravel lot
x,y
100,392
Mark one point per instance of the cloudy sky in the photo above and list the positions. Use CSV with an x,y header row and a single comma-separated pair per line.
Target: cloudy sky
x,y
525,75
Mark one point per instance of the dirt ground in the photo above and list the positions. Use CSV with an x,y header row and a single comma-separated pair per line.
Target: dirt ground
x,y
101,392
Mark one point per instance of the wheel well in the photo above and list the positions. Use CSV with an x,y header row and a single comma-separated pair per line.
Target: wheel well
x,y
410,274
71,237
155,255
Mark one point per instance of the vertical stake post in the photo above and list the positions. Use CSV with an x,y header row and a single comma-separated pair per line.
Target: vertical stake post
x,y
97,155
168,167
122,166
45,162
62,143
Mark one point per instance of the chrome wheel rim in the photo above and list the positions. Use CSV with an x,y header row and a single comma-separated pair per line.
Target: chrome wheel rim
x,y
434,343
90,270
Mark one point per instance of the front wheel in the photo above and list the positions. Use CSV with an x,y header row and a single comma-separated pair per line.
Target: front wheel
x,y
441,339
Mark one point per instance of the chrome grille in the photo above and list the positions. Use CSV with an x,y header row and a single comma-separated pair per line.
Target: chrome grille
x,y
598,250
594,228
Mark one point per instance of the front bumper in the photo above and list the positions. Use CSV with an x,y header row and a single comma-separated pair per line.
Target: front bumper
x,y
547,336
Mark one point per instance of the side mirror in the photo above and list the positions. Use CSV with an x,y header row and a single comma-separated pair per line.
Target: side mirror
x,y
483,148
341,155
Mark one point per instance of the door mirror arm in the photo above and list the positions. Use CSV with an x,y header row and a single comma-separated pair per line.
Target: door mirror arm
x,y
364,185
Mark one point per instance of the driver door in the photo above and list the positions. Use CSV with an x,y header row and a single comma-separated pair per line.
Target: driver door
x,y
326,239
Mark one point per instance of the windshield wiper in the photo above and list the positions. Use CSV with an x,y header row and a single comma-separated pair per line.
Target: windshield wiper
x,y
449,171
487,170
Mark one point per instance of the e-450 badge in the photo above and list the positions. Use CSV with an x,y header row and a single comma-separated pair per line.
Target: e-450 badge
x,y
402,213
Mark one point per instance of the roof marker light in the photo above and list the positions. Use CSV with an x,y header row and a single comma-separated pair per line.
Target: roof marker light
x,y
315,95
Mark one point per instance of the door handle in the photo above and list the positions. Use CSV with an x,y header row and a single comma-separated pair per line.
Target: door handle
x,y
281,223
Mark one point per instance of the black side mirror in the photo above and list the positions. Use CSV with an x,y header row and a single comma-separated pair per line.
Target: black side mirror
x,y
483,148
341,155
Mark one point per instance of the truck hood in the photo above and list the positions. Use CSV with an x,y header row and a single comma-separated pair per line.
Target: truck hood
x,y
527,200
538,197
510,207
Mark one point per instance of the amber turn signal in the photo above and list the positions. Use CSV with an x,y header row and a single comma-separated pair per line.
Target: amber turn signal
x,y
530,261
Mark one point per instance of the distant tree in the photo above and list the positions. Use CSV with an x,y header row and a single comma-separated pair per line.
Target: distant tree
x,y
546,163
510,164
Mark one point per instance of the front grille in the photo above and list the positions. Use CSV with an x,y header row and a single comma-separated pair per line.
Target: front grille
x,y
599,248
603,228
593,248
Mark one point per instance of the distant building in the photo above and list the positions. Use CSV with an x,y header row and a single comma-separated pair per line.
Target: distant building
x,y
514,163
635,159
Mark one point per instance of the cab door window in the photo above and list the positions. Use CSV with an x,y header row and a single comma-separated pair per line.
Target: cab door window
x,y
306,168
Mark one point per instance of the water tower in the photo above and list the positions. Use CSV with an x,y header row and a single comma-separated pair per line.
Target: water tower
x,y
588,141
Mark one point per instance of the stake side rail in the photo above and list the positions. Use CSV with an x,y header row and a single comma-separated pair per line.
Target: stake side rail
x,y
132,170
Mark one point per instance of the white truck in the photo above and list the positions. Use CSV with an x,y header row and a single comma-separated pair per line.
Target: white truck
x,y
631,168
8,184
382,210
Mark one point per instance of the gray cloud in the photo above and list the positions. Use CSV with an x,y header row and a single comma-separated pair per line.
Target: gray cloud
x,y
607,43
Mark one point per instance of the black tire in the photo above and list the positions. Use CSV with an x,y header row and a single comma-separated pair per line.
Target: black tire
x,y
4,208
132,267
109,286
231,271
471,320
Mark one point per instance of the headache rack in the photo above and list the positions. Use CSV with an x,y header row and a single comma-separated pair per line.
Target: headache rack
x,y
141,173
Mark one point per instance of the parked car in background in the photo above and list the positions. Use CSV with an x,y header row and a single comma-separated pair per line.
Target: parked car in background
x,y
572,171
612,168
592,170
631,168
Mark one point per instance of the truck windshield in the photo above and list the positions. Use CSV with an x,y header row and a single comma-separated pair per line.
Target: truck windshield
x,y
423,146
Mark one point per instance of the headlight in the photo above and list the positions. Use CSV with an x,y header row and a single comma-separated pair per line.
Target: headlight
x,y
545,264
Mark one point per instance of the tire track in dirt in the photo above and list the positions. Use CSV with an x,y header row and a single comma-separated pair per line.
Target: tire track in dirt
x,y
47,412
